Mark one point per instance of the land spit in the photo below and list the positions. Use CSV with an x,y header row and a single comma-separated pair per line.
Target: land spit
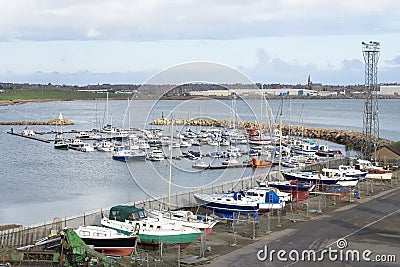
x,y
58,121
350,138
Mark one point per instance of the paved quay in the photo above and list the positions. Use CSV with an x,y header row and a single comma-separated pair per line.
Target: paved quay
x,y
371,224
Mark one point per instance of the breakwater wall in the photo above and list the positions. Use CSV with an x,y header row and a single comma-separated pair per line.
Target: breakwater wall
x,y
50,122
350,138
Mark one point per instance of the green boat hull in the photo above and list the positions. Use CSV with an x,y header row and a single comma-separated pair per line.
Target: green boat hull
x,y
165,239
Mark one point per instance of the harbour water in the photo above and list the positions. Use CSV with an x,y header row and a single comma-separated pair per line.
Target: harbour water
x,y
38,183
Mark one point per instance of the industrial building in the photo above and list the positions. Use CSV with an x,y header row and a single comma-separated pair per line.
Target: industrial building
x,y
255,92
389,90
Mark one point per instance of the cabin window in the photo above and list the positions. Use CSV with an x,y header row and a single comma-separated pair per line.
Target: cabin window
x,y
99,234
219,199
84,233
142,214
228,199
115,213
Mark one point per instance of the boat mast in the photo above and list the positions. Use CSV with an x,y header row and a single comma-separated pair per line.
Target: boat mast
x,y
280,138
170,163
261,108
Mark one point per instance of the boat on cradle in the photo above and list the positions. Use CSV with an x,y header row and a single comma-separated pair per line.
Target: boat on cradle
x,y
351,171
229,204
156,155
59,142
269,198
317,178
373,172
151,231
292,163
186,218
107,241
298,190
127,155
344,171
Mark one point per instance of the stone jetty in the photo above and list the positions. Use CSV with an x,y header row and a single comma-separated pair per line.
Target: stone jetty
x,y
60,120
350,138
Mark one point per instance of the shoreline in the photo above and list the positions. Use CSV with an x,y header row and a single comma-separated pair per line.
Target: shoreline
x,y
23,101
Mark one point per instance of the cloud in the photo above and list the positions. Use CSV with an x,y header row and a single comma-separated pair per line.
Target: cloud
x,y
191,19
76,78
276,70
393,62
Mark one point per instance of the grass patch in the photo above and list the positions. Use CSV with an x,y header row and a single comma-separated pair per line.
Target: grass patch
x,y
38,94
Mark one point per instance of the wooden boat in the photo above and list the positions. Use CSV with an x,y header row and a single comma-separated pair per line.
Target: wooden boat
x,y
128,220
107,241
320,179
374,172
186,218
229,204
298,190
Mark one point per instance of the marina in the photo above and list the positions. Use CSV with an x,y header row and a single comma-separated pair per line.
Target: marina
x,y
197,167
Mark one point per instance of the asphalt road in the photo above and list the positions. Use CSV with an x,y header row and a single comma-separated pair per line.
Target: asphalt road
x,y
369,235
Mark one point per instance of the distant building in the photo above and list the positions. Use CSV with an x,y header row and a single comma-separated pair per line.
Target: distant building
x,y
389,90
389,152
327,93
255,92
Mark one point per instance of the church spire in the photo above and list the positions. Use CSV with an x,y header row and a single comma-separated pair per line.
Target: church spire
x,y
309,83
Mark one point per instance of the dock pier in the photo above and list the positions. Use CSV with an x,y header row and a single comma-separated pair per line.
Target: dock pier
x,y
33,137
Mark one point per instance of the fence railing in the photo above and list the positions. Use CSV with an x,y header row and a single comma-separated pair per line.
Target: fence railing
x,y
23,236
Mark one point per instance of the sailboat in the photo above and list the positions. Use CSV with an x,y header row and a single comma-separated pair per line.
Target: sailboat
x,y
152,232
108,128
182,217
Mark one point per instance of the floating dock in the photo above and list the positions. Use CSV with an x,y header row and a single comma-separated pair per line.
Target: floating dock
x,y
238,165
33,137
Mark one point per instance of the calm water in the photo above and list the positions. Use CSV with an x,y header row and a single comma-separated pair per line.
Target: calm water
x,y
39,183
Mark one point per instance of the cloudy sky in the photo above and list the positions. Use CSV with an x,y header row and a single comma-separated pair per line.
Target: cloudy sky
x,y
127,41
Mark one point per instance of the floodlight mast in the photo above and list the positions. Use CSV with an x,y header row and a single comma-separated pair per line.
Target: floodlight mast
x,y
370,142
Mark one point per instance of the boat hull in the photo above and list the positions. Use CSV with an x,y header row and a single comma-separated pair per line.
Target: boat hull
x,y
312,180
226,210
112,247
151,237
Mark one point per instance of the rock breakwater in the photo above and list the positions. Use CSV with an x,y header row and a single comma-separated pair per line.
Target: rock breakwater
x,y
351,138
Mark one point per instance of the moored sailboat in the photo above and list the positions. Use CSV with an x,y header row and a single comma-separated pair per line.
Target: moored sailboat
x,y
151,231
107,241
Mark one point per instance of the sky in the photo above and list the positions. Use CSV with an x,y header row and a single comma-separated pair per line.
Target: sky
x,y
128,41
